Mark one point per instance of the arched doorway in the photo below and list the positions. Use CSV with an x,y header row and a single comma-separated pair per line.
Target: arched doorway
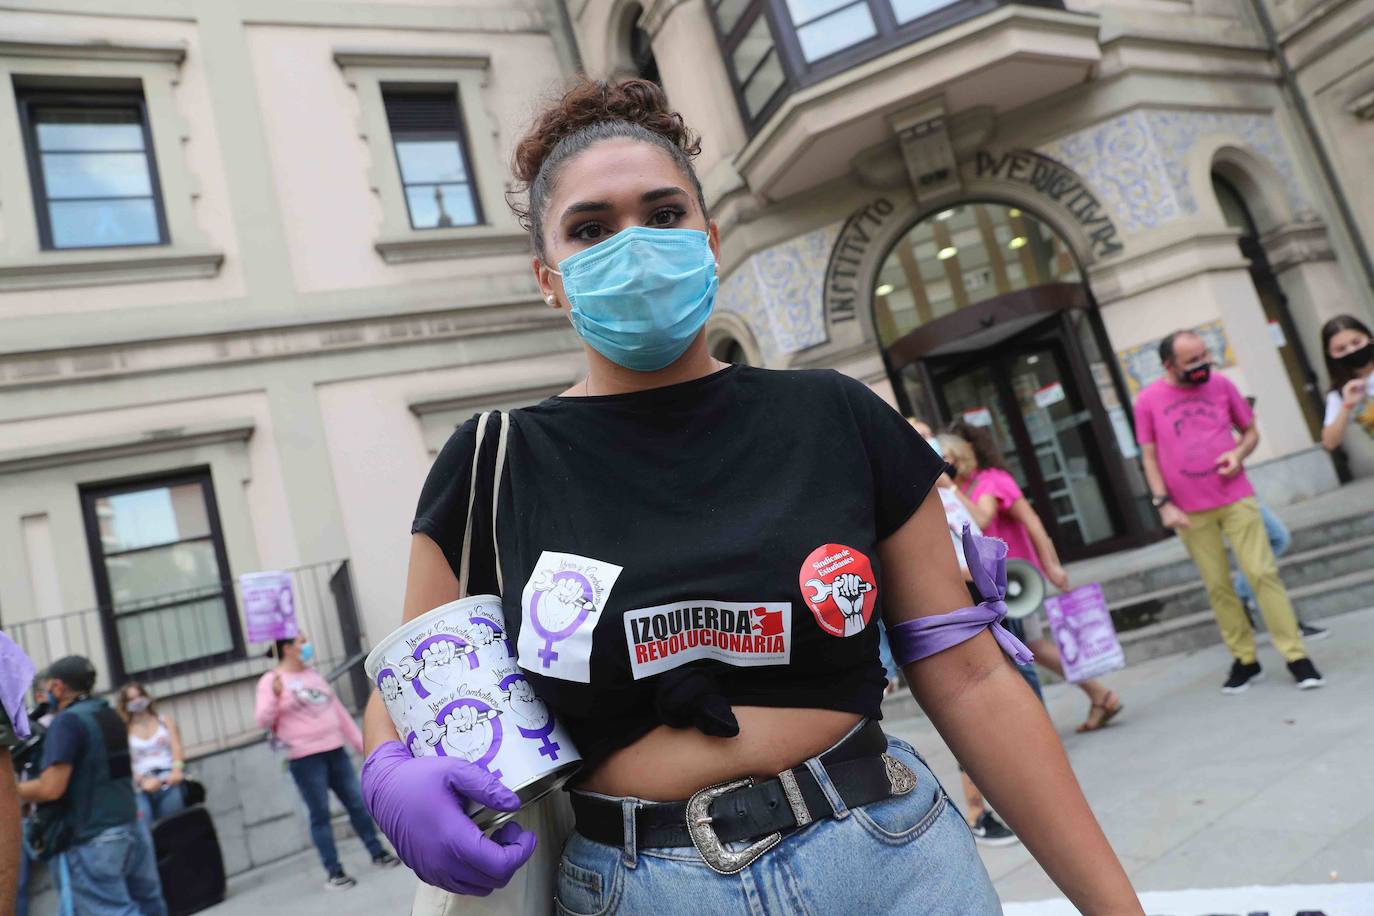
x,y
1271,296
983,316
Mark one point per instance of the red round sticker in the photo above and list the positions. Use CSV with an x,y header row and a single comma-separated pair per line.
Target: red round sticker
x,y
838,585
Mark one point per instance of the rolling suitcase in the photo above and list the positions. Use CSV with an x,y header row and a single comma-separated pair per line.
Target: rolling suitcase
x,y
189,861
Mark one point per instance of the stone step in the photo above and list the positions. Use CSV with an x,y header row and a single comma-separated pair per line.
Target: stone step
x,y
1178,570
1297,569
1197,630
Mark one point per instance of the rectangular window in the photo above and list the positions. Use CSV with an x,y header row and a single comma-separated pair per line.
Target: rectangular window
x,y
827,26
92,169
751,53
162,574
427,133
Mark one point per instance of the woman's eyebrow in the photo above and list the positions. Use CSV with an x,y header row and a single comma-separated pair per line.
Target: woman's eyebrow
x,y
586,206
660,193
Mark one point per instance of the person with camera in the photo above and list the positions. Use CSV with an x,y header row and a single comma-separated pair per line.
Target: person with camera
x,y
87,819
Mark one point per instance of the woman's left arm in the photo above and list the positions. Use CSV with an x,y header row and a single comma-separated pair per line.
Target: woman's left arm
x,y
178,754
995,726
1023,512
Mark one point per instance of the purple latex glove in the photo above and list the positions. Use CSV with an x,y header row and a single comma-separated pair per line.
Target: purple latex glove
x,y
419,804
916,639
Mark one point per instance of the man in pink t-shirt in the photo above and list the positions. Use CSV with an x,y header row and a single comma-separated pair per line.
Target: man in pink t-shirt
x,y
1186,423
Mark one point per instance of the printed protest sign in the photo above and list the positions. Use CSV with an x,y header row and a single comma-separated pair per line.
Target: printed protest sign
x,y
269,606
1083,629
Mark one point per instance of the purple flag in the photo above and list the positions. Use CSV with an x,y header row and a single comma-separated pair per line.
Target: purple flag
x,y
269,606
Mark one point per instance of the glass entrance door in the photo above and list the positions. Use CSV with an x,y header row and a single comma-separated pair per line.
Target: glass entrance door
x,y
1026,394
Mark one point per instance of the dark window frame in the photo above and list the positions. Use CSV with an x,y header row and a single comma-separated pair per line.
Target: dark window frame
x,y
90,494
30,97
799,73
460,133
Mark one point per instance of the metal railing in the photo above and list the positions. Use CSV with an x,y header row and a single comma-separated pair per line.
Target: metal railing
x,y
187,649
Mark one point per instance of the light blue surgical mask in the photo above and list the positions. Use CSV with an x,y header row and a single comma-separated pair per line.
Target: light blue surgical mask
x,y
307,652
641,297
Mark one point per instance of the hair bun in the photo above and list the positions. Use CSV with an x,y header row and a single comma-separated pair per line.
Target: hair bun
x,y
636,101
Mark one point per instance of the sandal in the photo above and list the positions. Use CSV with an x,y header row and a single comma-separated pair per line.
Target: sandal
x,y
1105,710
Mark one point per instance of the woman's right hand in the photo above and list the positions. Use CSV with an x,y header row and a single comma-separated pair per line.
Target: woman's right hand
x,y
1353,392
419,802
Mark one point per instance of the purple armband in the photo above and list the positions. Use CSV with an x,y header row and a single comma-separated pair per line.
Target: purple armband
x,y
924,636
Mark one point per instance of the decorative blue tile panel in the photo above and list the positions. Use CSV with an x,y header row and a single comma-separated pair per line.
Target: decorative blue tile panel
x,y
780,293
1121,162
1137,163
1177,132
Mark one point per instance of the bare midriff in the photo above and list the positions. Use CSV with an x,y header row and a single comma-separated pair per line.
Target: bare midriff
x,y
670,764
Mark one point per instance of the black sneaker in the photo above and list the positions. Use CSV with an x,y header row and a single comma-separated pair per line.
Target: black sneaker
x,y
385,860
989,831
338,881
1313,633
1242,676
1306,674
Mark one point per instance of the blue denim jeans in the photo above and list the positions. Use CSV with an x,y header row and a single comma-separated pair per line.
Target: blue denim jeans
x,y
154,806
911,854
315,776
1280,539
114,874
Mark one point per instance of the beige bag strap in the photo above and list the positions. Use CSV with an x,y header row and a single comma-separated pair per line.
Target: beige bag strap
x,y
504,423
464,566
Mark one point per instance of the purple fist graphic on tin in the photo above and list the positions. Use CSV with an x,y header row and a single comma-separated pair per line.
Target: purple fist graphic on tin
x,y
466,735
389,685
528,709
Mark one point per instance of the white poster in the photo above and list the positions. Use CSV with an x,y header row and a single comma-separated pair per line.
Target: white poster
x,y
978,416
1051,394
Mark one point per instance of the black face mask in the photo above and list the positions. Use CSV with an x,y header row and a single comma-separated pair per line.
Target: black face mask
x,y
1198,375
1358,359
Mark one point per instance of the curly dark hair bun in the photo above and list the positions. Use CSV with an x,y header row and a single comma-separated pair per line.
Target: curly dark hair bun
x,y
591,102
589,112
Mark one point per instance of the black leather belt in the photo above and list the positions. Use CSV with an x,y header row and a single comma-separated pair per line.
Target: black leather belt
x,y
859,767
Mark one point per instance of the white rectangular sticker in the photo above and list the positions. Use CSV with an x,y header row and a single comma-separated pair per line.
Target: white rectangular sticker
x,y
562,603
746,634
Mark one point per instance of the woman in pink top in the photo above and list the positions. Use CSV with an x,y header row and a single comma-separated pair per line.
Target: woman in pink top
x,y
1000,508
296,704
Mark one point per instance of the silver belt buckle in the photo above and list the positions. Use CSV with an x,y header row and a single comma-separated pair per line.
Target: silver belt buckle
x,y
708,845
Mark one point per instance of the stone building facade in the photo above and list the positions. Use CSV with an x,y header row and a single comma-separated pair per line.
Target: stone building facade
x,y
993,212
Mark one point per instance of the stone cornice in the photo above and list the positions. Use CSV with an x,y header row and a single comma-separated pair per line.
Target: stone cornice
x,y
417,58
105,448
1296,243
27,370
147,52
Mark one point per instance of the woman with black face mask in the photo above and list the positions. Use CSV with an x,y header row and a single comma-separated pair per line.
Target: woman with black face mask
x,y
1348,347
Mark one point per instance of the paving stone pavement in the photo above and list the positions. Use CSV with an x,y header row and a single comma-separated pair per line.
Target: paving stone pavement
x,y
1194,788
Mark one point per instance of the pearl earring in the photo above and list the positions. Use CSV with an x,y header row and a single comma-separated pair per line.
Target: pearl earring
x,y
549,299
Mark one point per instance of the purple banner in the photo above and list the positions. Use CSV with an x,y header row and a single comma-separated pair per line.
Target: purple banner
x,y
269,606
1083,629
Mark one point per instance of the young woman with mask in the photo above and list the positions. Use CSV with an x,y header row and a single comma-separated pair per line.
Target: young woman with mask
x,y
155,753
682,501
296,704
998,505
1349,350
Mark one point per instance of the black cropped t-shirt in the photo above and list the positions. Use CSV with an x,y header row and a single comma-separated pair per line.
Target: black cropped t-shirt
x,y
668,554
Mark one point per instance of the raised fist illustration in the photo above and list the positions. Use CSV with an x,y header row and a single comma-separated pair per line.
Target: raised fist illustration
x,y
527,706
466,734
562,601
390,688
439,661
848,591
482,634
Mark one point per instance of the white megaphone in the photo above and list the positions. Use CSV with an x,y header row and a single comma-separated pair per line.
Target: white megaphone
x,y
1025,589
